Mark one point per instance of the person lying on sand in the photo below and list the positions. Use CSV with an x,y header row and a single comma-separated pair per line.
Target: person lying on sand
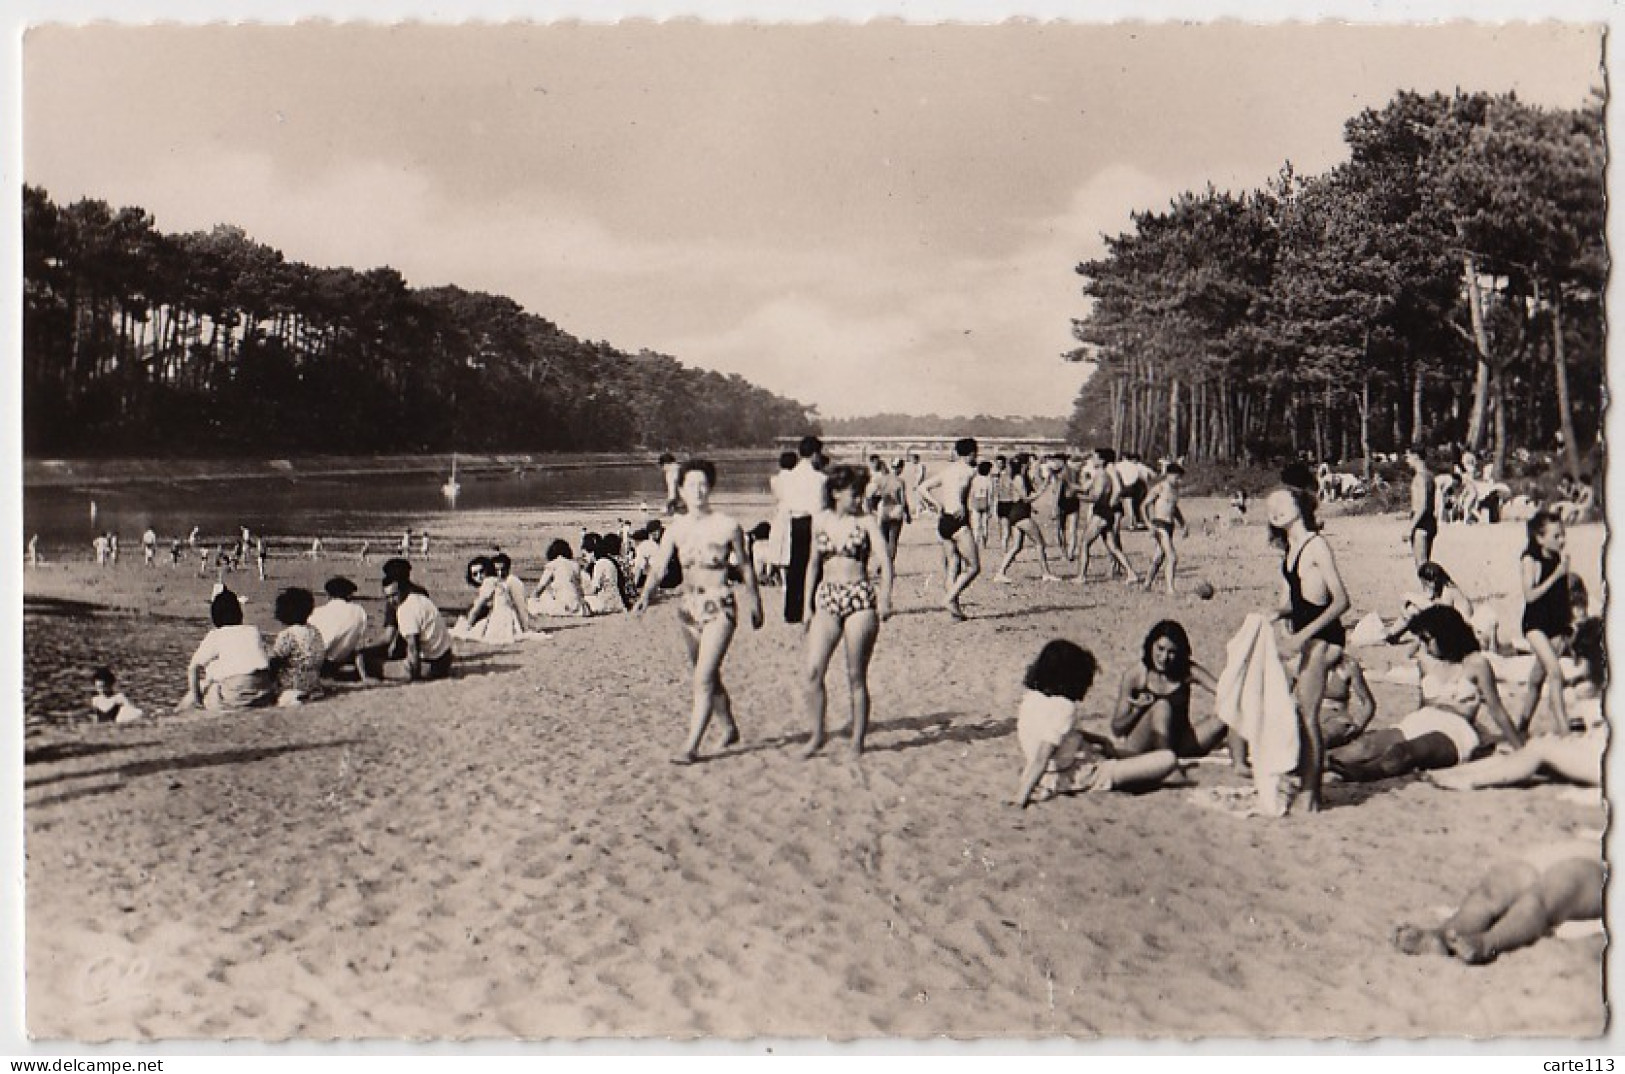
x,y
1060,757
1457,686
1514,904
1576,758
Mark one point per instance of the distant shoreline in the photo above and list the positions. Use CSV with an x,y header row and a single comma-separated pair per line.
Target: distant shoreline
x,y
72,473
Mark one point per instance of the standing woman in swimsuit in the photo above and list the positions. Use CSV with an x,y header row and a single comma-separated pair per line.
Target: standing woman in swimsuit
x,y
842,603
1548,613
1314,600
1022,523
705,542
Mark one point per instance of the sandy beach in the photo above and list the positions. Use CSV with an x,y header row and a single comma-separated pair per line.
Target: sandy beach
x,y
509,854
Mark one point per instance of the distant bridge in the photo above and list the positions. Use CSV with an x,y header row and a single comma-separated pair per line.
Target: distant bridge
x,y
886,446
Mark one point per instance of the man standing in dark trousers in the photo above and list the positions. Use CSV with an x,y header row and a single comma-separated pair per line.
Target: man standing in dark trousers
x,y
803,491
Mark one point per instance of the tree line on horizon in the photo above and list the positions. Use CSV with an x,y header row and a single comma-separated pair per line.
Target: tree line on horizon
x,y
138,341
1443,286
893,424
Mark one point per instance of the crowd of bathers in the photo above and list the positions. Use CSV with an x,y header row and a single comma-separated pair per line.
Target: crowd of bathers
x,y
831,544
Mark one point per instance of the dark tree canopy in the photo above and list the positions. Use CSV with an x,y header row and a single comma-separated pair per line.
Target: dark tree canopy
x,y
143,342
1442,286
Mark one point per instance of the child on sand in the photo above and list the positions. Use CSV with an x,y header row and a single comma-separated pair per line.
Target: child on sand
x,y
1548,612
1060,757
107,706
1161,508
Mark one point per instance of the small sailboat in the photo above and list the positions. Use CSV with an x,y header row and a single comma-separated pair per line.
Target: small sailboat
x,y
451,488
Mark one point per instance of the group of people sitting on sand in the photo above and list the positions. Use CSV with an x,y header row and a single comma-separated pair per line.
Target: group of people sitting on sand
x,y
233,667
1448,735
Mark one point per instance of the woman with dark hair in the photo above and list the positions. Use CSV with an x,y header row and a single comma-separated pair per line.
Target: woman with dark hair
x,y
1457,685
843,605
558,590
707,543
1154,701
496,617
1575,758
230,669
297,655
1313,600
1023,526
1548,613
603,587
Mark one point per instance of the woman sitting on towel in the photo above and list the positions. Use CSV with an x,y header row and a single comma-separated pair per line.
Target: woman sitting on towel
x,y
1457,684
1154,701
1575,758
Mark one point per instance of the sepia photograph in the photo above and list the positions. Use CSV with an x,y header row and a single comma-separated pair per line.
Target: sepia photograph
x,y
541,530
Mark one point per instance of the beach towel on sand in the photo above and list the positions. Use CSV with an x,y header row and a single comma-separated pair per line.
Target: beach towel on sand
x,y
1255,701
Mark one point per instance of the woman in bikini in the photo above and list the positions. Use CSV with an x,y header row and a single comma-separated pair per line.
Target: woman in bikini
x,y
1456,686
1023,527
706,543
1154,702
1313,602
843,605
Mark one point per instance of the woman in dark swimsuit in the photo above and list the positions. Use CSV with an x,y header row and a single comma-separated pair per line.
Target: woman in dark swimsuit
x,y
1154,702
1548,613
843,605
1314,600
1022,524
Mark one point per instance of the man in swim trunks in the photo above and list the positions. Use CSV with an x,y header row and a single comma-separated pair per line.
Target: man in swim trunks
x,y
961,559
1424,506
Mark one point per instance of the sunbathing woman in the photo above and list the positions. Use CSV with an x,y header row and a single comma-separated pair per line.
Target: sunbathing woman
x,y
1574,758
705,542
1154,701
843,605
1457,685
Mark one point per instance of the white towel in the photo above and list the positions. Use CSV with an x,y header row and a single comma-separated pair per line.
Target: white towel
x,y
1368,631
1255,701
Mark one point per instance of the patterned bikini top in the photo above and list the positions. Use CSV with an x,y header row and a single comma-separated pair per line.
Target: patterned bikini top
x,y
855,545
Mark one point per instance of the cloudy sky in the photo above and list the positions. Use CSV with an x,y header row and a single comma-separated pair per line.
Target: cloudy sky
x,y
866,218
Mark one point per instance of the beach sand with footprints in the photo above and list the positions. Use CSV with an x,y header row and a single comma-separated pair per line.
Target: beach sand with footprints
x,y
509,854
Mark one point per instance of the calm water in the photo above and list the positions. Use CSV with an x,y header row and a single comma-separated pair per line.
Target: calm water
x,y
302,507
